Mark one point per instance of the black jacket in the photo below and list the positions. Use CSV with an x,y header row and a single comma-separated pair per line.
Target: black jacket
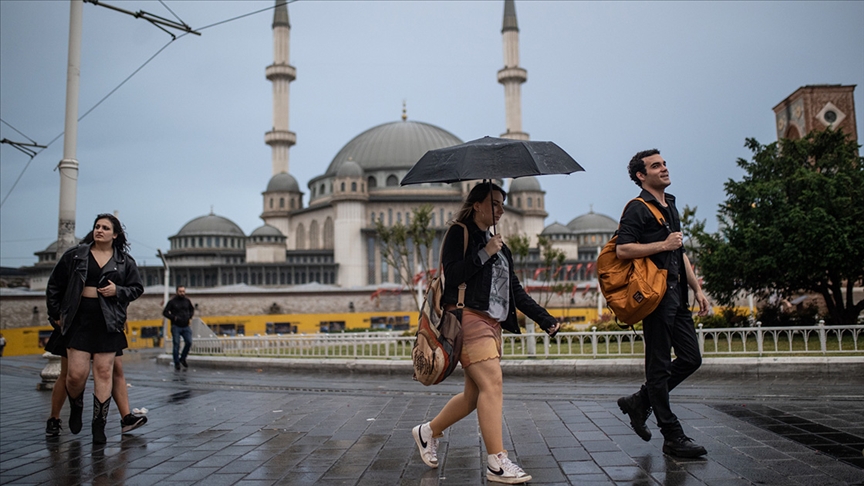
x,y
468,268
180,310
66,284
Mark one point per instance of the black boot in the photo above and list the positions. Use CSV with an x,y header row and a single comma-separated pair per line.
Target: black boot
x,y
76,408
683,446
638,413
100,417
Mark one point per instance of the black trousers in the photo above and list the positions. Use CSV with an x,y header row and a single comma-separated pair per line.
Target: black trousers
x,y
669,326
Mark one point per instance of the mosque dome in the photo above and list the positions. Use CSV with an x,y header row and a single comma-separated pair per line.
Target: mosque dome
x,y
210,225
556,228
349,168
283,182
266,230
523,184
395,145
593,223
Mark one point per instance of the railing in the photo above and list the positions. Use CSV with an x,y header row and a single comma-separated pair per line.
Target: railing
x,y
743,341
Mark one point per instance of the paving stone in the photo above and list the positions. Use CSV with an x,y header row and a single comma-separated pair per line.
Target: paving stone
x,y
217,427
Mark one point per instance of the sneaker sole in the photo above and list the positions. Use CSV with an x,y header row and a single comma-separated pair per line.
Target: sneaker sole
x,y
645,437
685,455
416,433
130,428
499,479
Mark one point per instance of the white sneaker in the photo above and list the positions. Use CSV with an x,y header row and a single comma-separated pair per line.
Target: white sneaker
x,y
501,470
427,444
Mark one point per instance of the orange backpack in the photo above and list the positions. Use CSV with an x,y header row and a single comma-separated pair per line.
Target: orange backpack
x,y
632,288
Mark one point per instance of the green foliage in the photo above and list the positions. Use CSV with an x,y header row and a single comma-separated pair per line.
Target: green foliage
x,y
728,317
775,316
793,224
402,245
519,246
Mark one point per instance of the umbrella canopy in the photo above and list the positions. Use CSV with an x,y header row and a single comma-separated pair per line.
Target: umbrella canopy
x,y
491,158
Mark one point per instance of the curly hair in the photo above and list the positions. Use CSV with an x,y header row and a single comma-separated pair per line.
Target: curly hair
x,y
637,165
121,243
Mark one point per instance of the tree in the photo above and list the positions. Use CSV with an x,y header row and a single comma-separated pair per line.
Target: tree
x,y
553,263
520,247
793,224
402,245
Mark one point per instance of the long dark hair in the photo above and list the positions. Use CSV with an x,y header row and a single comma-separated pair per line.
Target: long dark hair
x,y
478,194
121,243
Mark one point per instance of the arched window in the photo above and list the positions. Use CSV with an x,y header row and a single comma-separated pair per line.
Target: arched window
x,y
342,187
301,237
271,203
281,203
314,242
321,190
392,180
292,203
372,182
519,202
328,233
530,201
353,187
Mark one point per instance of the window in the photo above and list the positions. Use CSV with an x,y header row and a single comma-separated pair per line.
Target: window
x,y
392,180
281,203
372,182
313,236
321,190
518,202
529,203
271,203
292,203
328,233
301,237
353,187
342,187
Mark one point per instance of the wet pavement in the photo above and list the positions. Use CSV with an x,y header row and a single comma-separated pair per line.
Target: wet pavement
x,y
226,426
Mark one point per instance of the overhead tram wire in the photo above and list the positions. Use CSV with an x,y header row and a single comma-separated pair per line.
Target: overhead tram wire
x,y
127,79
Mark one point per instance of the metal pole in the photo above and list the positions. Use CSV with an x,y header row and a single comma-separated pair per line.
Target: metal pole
x,y
165,285
68,166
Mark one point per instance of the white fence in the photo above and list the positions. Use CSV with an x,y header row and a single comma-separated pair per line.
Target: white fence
x,y
742,341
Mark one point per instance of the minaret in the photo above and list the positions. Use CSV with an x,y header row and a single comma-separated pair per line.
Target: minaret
x,y
512,76
280,73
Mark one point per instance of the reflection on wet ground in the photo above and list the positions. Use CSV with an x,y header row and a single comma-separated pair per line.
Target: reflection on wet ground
x,y
224,426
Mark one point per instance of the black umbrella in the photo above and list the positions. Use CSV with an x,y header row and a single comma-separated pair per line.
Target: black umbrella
x,y
491,158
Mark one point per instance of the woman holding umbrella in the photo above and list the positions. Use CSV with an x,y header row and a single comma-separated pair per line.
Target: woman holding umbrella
x,y
492,296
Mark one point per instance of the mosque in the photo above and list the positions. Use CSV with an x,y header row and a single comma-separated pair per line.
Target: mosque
x,y
332,240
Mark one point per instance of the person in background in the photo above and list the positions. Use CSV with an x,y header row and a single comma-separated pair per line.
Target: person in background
x,y
87,295
180,311
492,295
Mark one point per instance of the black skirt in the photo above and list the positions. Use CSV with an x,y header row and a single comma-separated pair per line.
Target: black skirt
x,y
56,344
89,332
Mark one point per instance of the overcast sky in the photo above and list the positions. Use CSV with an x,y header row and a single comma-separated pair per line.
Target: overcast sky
x,y
605,80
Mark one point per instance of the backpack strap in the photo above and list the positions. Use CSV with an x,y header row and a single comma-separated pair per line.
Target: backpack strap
x,y
656,212
460,303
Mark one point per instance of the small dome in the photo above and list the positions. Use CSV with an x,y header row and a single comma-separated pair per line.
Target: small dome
x,y
267,230
556,228
283,182
593,223
349,168
523,184
210,225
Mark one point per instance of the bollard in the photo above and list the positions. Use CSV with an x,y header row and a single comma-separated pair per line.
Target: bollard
x,y
823,336
594,341
759,337
701,334
50,373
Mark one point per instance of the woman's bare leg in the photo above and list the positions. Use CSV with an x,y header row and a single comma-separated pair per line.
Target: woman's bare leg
x,y
457,408
490,402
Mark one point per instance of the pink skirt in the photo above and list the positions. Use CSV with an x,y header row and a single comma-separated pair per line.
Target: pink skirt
x,y
481,338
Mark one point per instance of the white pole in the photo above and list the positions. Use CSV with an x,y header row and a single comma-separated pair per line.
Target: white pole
x,y
165,286
68,166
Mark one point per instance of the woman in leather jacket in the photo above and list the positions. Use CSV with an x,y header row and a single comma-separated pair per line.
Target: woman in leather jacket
x,y
87,295
492,295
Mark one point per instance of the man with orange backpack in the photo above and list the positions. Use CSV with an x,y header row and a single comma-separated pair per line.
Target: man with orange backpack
x,y
670,325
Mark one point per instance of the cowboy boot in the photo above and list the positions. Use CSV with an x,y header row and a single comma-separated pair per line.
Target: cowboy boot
x,y
76,408
100,418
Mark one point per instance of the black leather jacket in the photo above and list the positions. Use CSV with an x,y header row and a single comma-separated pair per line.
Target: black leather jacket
x,y
66,284
468,268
